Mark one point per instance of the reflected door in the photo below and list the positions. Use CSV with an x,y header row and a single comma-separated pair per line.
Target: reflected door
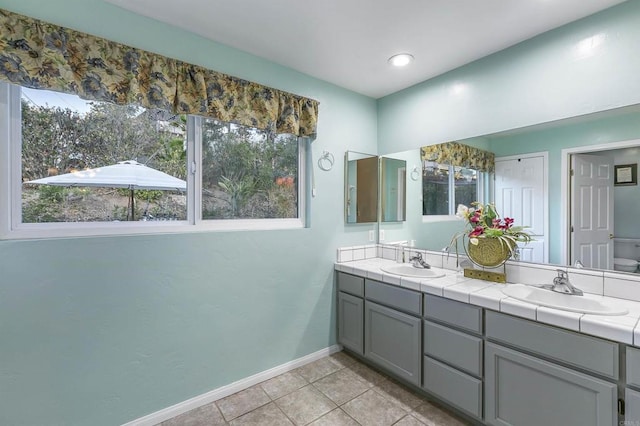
x,y
592,210
520,194
367,190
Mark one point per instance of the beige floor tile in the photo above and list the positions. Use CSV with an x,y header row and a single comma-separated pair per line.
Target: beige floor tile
x,y
267,415
341,386
283,384
318,369
433,415
367,374
409,420
242,402
207,415
305,405
372,409
343,358
366,397
335,418
397,392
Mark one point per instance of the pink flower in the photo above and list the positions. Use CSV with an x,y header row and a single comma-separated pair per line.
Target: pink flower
x,y
478,230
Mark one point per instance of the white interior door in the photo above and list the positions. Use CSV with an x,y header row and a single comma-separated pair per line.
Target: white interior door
x,y
521,193
591,215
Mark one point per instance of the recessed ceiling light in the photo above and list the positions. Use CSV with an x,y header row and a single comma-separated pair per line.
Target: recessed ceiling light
x,y
401,59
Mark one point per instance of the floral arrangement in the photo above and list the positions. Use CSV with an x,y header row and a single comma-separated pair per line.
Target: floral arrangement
x,y
483,221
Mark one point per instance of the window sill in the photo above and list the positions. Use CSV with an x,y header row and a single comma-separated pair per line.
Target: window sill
x,y
102,229
439,218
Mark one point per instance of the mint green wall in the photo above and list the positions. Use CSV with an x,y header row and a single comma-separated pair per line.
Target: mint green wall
x,y
627,199
554,140
101,331
540,80
105,330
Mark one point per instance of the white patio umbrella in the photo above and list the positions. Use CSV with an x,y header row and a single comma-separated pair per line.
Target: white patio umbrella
x,y
125,174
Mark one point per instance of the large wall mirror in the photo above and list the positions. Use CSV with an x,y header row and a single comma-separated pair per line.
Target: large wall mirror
x,y
603,215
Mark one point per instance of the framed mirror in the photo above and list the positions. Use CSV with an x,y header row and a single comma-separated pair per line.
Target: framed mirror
x,y
361,187
393,182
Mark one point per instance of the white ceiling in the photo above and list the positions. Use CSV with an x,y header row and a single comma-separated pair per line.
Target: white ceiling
x,y
348,42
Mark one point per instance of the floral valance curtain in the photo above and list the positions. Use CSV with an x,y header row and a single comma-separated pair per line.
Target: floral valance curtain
x,y
457,154
39,55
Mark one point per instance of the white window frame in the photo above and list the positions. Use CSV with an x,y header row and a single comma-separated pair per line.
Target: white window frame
x,y
481,191
11,226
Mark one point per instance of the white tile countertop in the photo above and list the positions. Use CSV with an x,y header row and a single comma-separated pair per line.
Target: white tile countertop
x,y
454,285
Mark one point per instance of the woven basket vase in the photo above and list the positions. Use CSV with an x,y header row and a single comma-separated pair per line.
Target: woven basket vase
x,y
489,252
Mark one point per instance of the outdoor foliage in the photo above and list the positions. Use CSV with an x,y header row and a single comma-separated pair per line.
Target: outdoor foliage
x,y
246,173
60,140
435,188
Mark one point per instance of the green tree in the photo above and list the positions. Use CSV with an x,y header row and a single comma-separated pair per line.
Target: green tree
x,y
254,170
50,140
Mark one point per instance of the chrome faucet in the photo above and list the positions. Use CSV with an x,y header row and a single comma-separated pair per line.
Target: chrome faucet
x,y
561,284
418,262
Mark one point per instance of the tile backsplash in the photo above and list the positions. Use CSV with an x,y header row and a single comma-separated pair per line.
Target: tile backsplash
x,y
349,254
612,284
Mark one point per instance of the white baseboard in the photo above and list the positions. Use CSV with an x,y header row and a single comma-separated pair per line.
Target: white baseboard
x,y
230,389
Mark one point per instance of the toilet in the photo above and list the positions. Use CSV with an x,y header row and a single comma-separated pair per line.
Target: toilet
x,y
625,265
626,251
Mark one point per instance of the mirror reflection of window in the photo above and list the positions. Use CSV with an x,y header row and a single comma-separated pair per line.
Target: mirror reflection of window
x,y
445,186
435,188
465,186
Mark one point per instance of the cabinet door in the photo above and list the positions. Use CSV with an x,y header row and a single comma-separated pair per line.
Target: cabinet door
x,y
522,390
393,341
632,407
351,322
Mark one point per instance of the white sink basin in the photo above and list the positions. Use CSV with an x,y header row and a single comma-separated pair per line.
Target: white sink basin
x,y
566,302
408,270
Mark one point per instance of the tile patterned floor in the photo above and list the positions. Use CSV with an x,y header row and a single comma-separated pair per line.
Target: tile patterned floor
x,y
337,390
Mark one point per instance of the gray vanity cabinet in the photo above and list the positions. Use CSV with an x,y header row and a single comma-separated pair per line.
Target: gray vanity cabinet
x,y
546,379
452,364
522,390
632,396
351,312
632,407
393,333
351,322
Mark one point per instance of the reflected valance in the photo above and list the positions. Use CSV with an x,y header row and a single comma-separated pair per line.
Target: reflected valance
x,y
457,154
39,55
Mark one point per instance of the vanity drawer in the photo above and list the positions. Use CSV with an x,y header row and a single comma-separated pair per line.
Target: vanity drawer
x,y
459,389
633,366
632,407
455,348
457,314
395,297
590,353
351,284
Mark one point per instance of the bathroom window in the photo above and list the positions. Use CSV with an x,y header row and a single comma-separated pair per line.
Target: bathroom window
x,y
445,186
76,167
248,173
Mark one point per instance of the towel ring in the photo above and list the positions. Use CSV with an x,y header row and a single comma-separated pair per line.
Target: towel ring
x,y
326,160
415,174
